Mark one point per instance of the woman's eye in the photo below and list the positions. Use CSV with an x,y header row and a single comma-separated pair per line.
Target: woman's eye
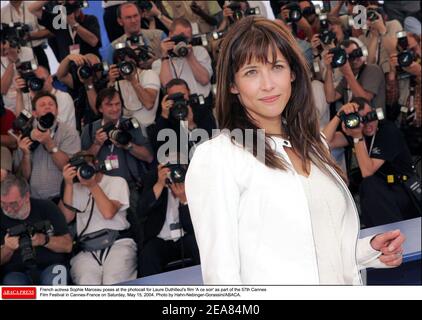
x,y
278,67
250,73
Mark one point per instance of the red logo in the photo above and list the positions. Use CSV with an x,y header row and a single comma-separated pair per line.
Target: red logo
x,y
19,293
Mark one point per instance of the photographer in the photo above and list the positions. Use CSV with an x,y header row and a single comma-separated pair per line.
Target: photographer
x,y
82,32
20,265
83,89
10,56
114,30
44,82
16,11
131,158
201,14
381,36
404,91
195,68
138,88
98,204
382,155
129,17
197,116
292,13
168,229
42,166
359,78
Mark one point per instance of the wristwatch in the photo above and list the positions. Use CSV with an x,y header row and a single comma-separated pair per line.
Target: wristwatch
x,y
129,146
47,240
356,140
165,58
54,150
75,26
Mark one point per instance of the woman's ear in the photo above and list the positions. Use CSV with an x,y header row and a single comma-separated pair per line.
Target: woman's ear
x,y
233,89
292,77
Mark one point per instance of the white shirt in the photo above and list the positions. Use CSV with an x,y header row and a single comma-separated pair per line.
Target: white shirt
x,y
172,217
25,54
115,188
327,205
148,79
183,70
9,14
253,225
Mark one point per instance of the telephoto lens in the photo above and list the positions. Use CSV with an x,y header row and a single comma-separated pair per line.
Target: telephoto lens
x,y
339,57
46,122
351,120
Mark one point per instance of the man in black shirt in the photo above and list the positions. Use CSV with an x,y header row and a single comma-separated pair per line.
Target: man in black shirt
x,y
383,158
81,34
43,260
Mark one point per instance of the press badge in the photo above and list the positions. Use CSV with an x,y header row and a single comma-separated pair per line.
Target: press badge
x,y
74,49
175,230
114,160
195,28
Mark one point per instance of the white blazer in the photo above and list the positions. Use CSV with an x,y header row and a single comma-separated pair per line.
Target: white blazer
x,y
253,224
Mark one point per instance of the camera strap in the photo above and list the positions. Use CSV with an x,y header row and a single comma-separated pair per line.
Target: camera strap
x,y
372,144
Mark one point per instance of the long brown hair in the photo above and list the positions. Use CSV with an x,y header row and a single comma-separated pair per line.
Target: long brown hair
x,y
253,38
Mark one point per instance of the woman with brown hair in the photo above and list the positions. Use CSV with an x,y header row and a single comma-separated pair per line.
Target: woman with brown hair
x,y
268,204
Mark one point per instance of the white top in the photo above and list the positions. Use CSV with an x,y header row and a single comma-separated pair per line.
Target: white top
x,y
253,225
9,14
107,4
115,188
148,79
25,54
184,71
172,217
327,205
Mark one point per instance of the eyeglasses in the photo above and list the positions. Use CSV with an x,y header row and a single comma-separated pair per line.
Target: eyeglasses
x,y
14,205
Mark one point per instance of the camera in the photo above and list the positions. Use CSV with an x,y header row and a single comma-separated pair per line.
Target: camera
x,y
23,124
15,34
405,56
177,173
87,170
238,13
26,71
353,120
46,122
295,13
339,57
181,46
25,232
144,5
372,14
86,71
126,68
121,134
179,110
357,53
70,7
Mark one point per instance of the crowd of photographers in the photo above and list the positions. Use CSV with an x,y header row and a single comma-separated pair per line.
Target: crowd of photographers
x,y
87,197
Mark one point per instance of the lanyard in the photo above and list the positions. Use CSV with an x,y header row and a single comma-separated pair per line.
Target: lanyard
x,y
23,11
174,68
72,34
116,126
372,143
